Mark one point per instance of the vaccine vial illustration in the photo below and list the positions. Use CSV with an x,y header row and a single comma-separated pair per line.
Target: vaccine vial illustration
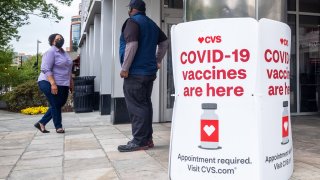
x,y
209,127
285,123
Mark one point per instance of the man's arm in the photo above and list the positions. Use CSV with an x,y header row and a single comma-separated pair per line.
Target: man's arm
x,y
162,49
163,44
131,35
130,51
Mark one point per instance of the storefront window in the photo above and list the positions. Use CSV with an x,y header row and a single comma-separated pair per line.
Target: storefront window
x,y
309,62
176,4
293,64
291,5
309,6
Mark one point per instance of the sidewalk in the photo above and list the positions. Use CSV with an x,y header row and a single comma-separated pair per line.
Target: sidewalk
x,y
88,150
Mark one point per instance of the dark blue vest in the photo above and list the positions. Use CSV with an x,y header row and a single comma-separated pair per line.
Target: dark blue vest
x,y
144,62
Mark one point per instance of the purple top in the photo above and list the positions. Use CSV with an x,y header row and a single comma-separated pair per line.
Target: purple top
x,y
58,64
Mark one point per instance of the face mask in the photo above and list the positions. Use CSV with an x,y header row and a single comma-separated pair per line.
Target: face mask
x,y
59,43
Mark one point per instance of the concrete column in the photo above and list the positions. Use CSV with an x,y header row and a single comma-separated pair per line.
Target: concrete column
x,y
83,59
91,49
119,113
84,63
96,60
154,12
106,56
87,54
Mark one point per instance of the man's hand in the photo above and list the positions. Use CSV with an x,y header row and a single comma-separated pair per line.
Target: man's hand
x,y
124,74
158,65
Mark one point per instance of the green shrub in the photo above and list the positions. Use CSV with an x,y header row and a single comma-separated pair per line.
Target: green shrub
x,y
25,95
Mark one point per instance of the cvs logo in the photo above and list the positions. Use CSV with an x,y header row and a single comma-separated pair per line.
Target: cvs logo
x,y
210,39
284,41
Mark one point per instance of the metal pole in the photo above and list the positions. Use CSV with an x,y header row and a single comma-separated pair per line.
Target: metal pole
x,y
37,53
20,61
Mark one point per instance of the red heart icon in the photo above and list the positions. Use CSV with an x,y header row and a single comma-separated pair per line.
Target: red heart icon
x,y
200,39
281,41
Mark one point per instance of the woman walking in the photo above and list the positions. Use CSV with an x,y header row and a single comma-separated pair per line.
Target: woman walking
x,y
54,81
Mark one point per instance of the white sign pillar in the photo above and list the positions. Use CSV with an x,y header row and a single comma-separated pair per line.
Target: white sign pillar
x,y
231,116
274,90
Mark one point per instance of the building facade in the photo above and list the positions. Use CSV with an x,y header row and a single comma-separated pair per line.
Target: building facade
x,y
75,32
101,22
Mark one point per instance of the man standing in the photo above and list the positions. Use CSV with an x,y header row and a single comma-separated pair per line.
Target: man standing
x,y
142,47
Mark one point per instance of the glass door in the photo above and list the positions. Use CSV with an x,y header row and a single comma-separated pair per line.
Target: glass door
x,y
309,61
172,17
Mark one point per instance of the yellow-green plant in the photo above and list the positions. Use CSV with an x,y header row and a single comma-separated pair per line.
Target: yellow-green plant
x,y
34,110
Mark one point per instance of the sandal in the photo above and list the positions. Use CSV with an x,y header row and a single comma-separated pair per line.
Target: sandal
x,y
60,130
38,126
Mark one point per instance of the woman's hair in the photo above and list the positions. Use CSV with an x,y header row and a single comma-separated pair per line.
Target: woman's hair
x,y
52,37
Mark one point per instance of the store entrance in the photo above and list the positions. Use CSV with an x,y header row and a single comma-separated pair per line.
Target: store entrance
x,y
309,61
171,17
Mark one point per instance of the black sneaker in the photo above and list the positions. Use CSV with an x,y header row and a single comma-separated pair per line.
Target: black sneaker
x,y
130,146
